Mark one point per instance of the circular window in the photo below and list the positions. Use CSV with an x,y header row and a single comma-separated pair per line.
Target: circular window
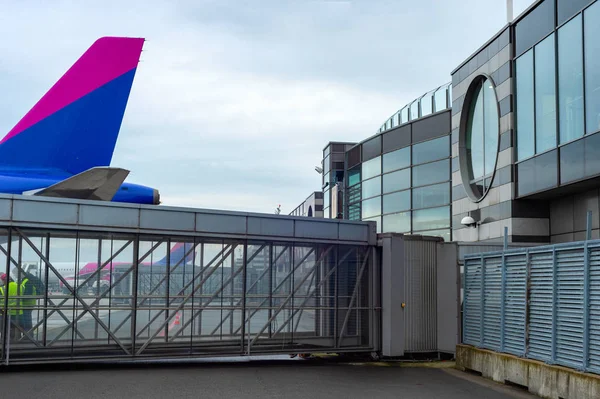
x,y
479,138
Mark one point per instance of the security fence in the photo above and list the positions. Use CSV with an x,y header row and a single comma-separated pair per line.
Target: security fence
x,y
542,303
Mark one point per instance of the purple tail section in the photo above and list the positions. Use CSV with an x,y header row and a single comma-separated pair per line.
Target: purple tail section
x,y
178,251
75,125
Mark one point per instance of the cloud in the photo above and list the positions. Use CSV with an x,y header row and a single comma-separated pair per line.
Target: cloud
x,y
234,101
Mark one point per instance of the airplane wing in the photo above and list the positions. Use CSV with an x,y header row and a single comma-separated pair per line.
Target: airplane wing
x,y
99,183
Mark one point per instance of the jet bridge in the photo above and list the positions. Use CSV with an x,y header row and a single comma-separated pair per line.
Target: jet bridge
x,y
246,284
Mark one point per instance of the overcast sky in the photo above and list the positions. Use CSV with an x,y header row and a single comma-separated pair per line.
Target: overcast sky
x,y
234,101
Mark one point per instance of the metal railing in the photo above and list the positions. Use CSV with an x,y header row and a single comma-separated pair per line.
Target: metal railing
x,y
542,303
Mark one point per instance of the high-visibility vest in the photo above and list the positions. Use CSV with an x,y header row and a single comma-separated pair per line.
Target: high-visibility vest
x,y
14,308
29,299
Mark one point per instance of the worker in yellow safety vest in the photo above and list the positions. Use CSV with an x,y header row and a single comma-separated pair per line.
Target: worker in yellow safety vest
x,y
29,291
14,307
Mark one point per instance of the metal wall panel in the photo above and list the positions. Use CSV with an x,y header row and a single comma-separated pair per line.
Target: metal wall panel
x,y
90,215
492,303
570,307
473,299
167,220
45,212
515,303
271,227
594,309
220,223
541,305
420,322
316,230
5,209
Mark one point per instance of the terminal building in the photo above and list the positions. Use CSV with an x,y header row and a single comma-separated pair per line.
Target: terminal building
x,y
510,143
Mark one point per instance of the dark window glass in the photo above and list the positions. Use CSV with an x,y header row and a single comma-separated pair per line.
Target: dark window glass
x,y
445,234
435,172
432,127
396,181
567,8
430,196
396,160
433,218
592,68
371,207
545,95
538,173
535,26
396,202
354,212
396,223
397,138
431,150
525,106
353,157
592,155
371,187
371,148
354,193
571,165
371,168
353,177
570,80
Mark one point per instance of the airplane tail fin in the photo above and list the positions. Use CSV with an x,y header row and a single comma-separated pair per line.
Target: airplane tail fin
x,y
178,252
75,125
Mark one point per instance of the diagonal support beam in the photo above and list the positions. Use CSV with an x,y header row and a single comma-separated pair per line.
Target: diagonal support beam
x,y
285,279
75,294
87,309
353,298
296,289
98,270
214,268
323,280
230,313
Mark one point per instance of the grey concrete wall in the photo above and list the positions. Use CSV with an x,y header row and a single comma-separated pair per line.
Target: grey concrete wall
x,y
568,216
541,379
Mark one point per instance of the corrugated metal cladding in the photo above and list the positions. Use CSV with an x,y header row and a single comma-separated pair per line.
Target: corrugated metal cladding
x,y
560,321
420,281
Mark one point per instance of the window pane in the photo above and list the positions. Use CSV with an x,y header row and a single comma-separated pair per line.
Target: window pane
x,y
396,159
371,188
533,27
571,167
570,80
371,168
396,181
430,173
545,96
353,177
567,8
429,196
525,107
414,110
431,150
427,104
404,114
445,234
592,68
491,134
354,212
537,174
434,218
396,223
371,207
440,99
375,219
592,155
396,202
475,137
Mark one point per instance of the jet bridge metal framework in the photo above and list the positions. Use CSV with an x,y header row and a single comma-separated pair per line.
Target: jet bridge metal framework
x,y
249,283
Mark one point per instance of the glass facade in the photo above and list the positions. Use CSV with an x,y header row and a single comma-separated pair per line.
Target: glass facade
x,y
412,187
557,95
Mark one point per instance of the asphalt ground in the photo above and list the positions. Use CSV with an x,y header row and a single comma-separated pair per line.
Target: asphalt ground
x,y
264,379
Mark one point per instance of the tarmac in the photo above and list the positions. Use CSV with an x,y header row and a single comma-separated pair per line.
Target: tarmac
x,y
269,378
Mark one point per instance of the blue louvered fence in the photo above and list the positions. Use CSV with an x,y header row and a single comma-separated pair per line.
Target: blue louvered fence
x,y
541,303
